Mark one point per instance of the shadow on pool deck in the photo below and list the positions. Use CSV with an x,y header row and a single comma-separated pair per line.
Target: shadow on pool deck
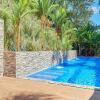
x,y
38,96
95,96
20,89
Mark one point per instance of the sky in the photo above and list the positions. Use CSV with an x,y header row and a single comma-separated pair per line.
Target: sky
x,y
96,16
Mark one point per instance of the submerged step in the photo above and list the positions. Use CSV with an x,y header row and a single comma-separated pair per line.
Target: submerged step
x,y
44,76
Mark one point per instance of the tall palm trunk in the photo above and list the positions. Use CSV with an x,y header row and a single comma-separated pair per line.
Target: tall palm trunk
x,y
44,20
44,24
79,49
58,30
17,34
5,30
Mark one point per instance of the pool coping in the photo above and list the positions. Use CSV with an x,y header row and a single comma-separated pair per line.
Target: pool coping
x,y
65,84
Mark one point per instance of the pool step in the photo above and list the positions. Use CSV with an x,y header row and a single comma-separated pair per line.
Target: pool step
x,y
53,73
43,76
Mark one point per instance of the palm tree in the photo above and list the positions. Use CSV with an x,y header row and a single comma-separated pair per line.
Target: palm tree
x,y
16,12
59,17
19,10
42,9
68,35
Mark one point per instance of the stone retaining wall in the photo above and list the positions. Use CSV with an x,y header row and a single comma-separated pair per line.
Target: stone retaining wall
x,y
29,62
1,45
20,64
1,63
71,54
9,64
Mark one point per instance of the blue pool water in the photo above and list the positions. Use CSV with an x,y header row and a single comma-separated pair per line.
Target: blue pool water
x,y
84,71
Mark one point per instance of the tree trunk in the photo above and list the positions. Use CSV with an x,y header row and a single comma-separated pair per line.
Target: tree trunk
x,y
58,30
17,33
79,49
45,22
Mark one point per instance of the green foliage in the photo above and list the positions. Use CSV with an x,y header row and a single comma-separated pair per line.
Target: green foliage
x,y
80,12
68,19
42,7
59,16
88,35
68,36
13,14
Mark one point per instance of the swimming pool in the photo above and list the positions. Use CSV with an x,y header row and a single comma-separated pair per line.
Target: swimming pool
x,y
83,71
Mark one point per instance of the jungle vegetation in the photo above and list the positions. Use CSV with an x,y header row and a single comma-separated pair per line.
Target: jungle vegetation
x,y
34,25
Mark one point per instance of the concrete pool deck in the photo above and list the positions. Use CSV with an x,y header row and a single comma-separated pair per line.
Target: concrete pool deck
x,y
21,89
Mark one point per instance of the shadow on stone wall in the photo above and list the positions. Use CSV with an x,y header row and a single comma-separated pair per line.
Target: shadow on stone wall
x,y
56,57
9,64
59,56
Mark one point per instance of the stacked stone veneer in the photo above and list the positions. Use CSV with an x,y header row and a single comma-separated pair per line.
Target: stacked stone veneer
x,y
71,54
1,46
29,62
